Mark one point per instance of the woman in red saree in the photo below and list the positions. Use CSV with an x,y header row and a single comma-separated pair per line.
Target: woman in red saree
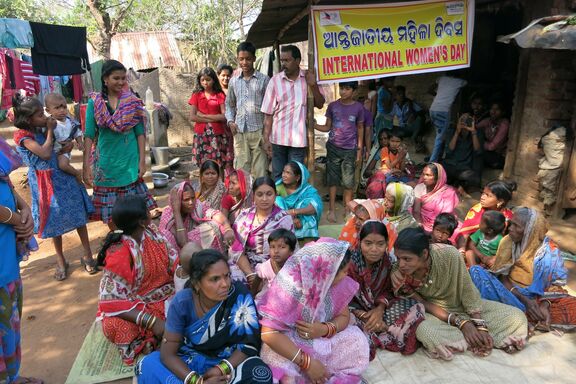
x,y
138,279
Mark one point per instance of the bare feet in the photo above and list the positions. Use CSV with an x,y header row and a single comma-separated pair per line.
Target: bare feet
x,y
331,217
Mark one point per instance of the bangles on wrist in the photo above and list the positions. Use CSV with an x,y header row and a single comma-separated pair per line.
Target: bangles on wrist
x,y
225,367
332,329
193,378
145,320
10,217
305,361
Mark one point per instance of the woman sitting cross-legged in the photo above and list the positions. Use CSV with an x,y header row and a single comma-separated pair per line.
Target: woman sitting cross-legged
x,y
252,228
305,319
389,323
212,333
529,274
457,318
187,219
138,278
300,200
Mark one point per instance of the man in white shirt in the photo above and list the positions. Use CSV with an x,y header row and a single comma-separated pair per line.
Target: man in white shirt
x,y
447,88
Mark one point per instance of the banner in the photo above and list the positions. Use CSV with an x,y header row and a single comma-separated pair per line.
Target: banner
x,y
360,42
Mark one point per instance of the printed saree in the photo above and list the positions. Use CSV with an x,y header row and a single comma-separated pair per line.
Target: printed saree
x,y
305,195
252,238
536,269
199,224
229,326
401,216
302,290
402,315
136,276
449,286
129,112
442,198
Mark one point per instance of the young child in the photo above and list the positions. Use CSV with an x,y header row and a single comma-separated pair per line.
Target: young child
x,y
444,226
483,244
394,167
182,272
59,203
345,124
66,130
282,245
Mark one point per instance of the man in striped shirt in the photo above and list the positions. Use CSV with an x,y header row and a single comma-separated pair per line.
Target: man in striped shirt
x,y
285,108
243,103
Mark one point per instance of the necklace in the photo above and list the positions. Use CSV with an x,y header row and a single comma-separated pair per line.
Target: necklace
x,y
202,308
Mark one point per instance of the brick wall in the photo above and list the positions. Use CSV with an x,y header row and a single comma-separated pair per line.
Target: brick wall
x,y
549,100
175,91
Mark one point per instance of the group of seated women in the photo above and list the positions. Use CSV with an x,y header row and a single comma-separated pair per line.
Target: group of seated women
x,y
323,307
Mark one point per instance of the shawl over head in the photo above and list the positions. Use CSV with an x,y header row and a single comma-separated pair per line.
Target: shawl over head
x,y
517,259
303,289
305,195
245,182
442,198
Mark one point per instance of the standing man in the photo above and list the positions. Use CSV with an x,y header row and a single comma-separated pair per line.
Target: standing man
x,y
445,91
246,121
285,108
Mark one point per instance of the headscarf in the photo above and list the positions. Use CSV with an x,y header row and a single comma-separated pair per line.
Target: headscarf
x,y
305,195
303,289
517,259
401,216
200,214
130,111
245,182
376,211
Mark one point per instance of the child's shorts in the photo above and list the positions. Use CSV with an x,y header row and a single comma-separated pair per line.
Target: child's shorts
x,y
340,166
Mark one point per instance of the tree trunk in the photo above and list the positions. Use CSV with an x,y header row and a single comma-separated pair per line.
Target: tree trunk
x,y
107,27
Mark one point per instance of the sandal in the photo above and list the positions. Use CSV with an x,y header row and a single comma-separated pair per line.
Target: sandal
x,y
90,266
60,274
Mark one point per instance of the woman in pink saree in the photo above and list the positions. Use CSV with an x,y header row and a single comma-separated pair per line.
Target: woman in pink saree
x,y
433,196
187,219
306,322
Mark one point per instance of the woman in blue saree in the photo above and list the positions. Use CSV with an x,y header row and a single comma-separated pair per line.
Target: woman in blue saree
x,y
17,240
529,274
211,333
300,200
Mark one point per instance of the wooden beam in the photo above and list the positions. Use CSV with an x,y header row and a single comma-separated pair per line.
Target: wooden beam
x,y
310,100
299,16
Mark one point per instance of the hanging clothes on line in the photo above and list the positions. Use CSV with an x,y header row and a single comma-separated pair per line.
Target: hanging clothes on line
x,y
59,50
15,33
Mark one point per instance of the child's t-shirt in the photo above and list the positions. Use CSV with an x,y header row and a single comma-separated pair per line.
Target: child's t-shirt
x,y
65,130
485,247
345,119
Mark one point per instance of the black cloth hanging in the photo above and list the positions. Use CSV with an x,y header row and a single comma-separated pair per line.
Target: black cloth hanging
x,y
59,50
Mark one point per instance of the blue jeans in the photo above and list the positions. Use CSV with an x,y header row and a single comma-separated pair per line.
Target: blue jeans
x,y
441,122
282,154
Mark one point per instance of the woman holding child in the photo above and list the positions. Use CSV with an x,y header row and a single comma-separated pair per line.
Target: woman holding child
x,y
433,196
115,125
457,318
187,219
252,228
300,200
388,322
529,274
60,203
212,333
306,322
138,278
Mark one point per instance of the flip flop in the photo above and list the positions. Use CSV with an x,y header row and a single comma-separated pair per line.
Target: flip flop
x,y
60,274
90,266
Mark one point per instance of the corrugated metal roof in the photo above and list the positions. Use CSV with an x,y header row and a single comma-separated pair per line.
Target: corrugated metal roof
x,y
145,50
275,14
552,32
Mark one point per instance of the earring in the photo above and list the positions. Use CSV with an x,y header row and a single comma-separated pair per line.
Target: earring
x,y
499,205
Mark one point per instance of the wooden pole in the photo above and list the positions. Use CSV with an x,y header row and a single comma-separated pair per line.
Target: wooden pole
x,y
310,96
